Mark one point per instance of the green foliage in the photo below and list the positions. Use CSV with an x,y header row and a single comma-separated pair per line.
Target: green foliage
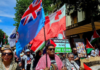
x,y
48,5
21,7
2,35
89,6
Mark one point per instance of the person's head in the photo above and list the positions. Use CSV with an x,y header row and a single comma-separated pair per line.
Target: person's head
x,y
63,55
70,57
74,51
50,50
38,53
27,51
7,54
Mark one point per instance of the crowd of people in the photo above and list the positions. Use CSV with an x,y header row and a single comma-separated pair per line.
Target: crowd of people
x,y
29,60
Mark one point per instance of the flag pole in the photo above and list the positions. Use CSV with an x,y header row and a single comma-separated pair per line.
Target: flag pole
x,y
65,40
45,44
65,47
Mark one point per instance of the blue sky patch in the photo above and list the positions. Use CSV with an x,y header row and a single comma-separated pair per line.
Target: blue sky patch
x,y
7,12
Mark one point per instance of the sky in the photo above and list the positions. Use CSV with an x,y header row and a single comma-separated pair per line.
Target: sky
x,y
7,12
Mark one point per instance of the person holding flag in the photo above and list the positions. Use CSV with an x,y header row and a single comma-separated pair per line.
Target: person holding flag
x,y
95,51
53,61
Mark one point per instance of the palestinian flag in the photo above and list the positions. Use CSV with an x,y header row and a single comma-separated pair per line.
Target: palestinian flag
x,y
52,42
86,67
94,37
4,40
89,47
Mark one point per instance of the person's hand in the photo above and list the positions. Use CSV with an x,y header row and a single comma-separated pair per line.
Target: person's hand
x,y
46,68
16,59
23,69
81,68
76,59
64,68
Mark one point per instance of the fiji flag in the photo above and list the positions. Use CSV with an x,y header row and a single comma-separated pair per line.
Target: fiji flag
x,y
31,23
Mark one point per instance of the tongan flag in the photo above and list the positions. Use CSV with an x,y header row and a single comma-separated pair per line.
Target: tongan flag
x,y
31,23
54,24
12,38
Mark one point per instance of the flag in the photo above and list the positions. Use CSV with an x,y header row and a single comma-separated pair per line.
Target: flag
x,y
44,49
31,23
4,40
89,47
86,67
12,38
94,37
52,42
54,24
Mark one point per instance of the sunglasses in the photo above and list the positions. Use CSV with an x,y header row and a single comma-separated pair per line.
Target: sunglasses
x,y
3,54
51,49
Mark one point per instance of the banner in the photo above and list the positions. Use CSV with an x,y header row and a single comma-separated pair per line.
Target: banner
x,y
81,49
61,44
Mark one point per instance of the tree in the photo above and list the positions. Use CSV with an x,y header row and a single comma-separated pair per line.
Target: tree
x,y
89,6
2,36
22,5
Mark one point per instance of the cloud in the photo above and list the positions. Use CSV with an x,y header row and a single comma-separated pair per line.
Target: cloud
x,y
7,8
7,3
0,20
6,15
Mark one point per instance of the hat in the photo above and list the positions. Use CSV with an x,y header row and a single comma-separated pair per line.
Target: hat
x,y
27,50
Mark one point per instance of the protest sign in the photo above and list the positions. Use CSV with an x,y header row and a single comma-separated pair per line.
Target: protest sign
x,y
80,47
61,44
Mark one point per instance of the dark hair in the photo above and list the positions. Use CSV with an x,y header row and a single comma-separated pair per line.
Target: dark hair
x,y
37,53
48,46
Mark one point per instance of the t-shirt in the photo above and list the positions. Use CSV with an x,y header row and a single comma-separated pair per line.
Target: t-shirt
x,y
28,63
77,61
53,65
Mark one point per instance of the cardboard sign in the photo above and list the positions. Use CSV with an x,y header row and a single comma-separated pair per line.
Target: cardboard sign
x,y
61,44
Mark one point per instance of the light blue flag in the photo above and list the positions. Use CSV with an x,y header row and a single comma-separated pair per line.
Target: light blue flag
x,y
31,23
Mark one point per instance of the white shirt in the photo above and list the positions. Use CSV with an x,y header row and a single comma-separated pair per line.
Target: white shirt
x,y
95,52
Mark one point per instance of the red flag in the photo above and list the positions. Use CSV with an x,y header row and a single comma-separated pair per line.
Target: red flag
x,y
52,42
54,24
95,34
88,45
4,36
86,67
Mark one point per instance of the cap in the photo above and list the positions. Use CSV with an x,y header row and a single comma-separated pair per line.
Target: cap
x,y
27,50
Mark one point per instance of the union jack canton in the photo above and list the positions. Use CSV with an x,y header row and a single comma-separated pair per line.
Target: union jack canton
x,y
32,12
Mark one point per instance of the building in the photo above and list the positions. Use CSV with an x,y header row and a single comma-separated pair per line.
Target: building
x,y
80,27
